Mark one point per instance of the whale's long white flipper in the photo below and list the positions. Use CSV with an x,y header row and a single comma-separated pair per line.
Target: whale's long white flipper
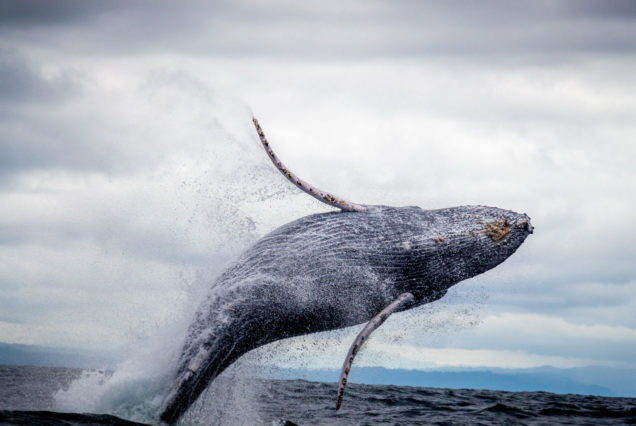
x,y
376,321
319,194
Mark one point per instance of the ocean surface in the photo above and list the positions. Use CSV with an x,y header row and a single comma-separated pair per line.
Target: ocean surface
x,y
28,397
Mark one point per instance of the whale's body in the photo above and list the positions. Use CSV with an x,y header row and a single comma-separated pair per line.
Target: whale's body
x,y
334,270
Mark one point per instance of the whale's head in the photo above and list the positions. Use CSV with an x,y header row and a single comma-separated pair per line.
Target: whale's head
x,y
423,251
431,250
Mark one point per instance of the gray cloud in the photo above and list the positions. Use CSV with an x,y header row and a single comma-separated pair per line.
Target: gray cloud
x,y
56,123
44,139
22,81
127,169
18,13
344,30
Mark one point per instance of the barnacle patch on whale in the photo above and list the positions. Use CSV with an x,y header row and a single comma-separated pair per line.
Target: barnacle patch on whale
x,y
498,229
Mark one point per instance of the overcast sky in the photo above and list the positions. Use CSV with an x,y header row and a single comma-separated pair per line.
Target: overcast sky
x,y
130,173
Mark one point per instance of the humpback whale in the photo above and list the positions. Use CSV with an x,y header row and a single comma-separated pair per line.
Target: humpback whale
x,y
333,270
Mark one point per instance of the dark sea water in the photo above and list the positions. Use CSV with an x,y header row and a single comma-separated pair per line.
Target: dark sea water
x,y
27,398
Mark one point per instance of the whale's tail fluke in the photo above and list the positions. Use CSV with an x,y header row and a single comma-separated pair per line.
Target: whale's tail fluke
x,y
319,194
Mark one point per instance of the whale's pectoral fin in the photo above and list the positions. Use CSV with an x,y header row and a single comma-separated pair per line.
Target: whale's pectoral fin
x,y
376,321
319,194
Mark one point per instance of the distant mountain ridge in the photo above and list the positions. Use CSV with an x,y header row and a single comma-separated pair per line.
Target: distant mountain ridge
x,y
18,354
602,381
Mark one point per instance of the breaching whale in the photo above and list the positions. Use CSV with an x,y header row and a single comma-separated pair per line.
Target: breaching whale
x,y
334,270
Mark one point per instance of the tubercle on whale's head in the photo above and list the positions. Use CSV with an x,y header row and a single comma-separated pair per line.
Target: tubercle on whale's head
x,y
439,248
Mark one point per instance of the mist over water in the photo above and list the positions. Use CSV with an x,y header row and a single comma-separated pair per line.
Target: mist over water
x,y
207,197
205,192
211,196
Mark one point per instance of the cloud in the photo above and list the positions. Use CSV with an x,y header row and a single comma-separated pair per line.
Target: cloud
x,y
507,340
418,357
130,173
114,222
22,81
32,12
553,336
105,127
329,30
